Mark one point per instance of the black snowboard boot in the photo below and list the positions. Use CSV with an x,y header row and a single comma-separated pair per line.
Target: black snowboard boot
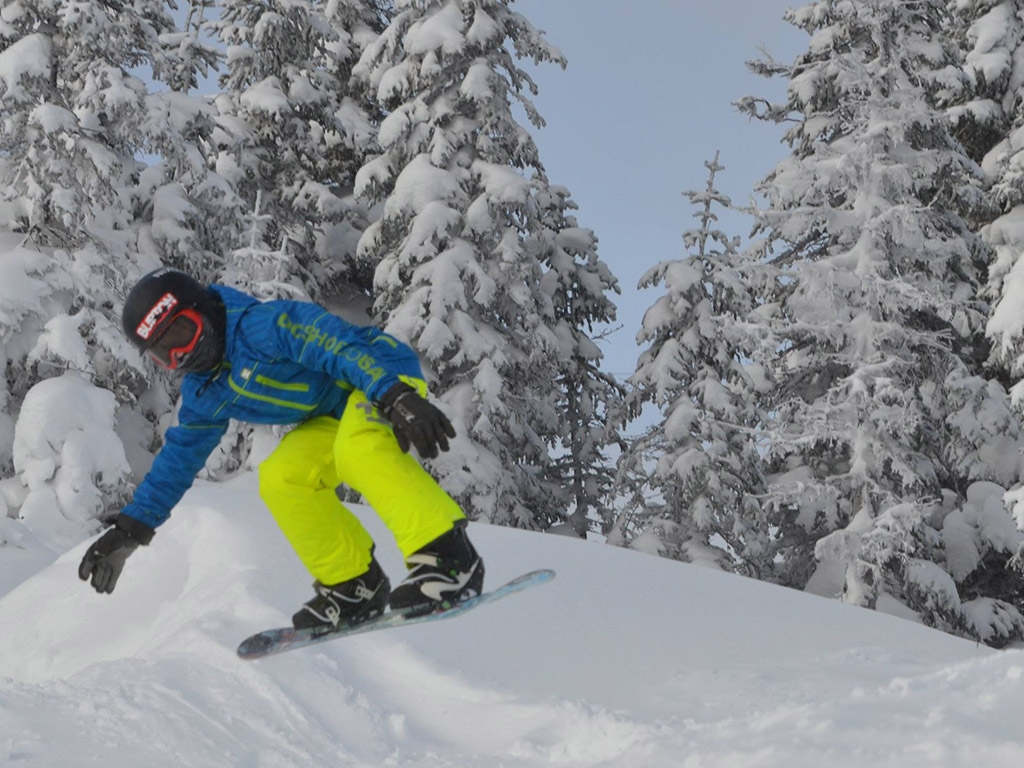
x,y
349,602
442,573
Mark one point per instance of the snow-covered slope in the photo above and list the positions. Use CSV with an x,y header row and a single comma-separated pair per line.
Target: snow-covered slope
x,y
624,660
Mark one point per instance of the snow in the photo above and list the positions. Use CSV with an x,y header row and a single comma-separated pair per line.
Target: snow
x,y
21,293
476,85
483,30
67,457
53,119
62,339
981,525
1006,322
624,660
266,96
440,30
418,185
502,183
26,58
171,209
395,83
991,56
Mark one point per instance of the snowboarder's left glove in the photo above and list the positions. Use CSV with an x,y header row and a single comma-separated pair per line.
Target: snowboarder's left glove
x,y
105,559
416,421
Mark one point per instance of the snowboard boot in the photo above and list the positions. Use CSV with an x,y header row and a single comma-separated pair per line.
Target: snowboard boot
x,y
442,573
347,603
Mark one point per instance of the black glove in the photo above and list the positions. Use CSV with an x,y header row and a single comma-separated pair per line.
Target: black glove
x,y
105,558
415,421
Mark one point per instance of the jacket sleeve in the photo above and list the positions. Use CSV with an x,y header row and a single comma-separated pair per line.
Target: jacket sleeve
x,y
307,334
186,448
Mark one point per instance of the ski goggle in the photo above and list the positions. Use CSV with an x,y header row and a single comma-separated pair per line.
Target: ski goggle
x,y
178,341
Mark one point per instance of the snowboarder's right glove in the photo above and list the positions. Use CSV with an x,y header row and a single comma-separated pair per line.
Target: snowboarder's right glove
x,y
416,421
105,558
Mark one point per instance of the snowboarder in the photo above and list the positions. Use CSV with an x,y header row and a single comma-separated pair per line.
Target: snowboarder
x,y
359,399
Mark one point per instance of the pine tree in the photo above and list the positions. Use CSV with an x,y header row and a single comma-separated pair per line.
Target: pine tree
x,y
184,58
33,290
577,282
698,502
72,111
456,273
69,104
186,213
881,437
981,97
293,130
991,121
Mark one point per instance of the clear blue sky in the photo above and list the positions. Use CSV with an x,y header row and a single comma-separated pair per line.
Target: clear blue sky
x,y
645,100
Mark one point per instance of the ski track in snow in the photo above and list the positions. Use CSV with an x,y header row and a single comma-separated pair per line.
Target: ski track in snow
x,y
623,660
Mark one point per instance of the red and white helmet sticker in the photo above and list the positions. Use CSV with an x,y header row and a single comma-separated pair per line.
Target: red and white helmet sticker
x,y
159,311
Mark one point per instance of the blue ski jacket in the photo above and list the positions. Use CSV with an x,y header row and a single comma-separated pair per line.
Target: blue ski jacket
x,y
284,362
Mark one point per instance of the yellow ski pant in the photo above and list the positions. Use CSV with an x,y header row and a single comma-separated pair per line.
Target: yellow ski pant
x,y
298,481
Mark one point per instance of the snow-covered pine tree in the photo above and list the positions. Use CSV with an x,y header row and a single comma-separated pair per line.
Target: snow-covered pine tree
x,y
455,272
187,214
186,57
293,130
578,284
982,88
69,140
885,446
990,123
265,273
68,107
696,472
990,118
357,24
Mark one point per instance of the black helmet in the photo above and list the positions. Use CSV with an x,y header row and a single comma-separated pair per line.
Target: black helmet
x,y
176,320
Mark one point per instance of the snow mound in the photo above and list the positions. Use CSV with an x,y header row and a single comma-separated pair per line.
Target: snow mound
x,y
624,660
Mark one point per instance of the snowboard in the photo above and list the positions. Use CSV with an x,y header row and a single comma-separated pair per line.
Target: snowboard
x,y
273,641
